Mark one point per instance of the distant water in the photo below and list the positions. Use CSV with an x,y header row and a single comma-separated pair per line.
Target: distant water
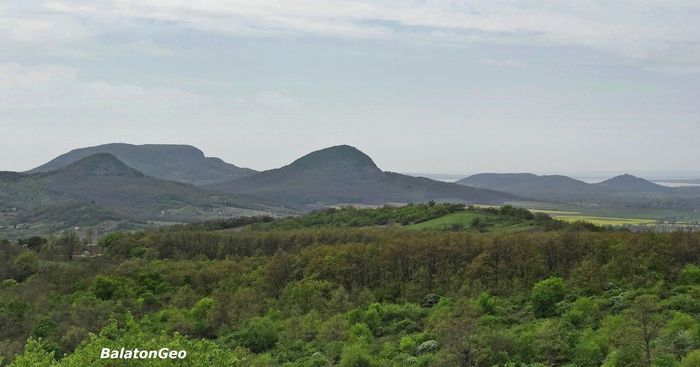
x,y
445,177
675,184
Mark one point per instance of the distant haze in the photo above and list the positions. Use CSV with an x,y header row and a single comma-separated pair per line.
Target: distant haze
x,y
420,86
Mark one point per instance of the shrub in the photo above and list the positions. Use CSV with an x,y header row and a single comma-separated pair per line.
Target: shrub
x,y
356,356
259,334
107,287
690,274
691,360
546,294
408,344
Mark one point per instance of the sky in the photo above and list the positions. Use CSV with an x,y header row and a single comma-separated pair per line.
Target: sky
x,y
431,86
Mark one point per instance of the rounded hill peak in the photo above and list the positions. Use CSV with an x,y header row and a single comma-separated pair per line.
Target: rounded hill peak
x,y
336,157
631,183
624,178
99,164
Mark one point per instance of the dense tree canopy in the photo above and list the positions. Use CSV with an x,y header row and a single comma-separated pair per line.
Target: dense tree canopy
x,y
306,294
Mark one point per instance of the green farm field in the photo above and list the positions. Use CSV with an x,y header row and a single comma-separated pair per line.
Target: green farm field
x,y
447,221
491,223
465,220
603,221
571,216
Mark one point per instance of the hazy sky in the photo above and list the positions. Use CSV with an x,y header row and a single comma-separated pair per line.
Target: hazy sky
x,y
450,86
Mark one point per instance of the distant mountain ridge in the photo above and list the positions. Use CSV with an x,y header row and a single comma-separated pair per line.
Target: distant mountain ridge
x,y
181,163
623,190
528,182
91,185
345,175
523,181
100,188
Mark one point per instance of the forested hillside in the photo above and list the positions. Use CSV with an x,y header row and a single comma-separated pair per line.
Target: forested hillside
x,y
103,192
316,292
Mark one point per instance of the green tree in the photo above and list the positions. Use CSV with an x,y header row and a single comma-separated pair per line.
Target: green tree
x,y
691,360
107,287
259,335
34,356
645,315
546,294
690,274
24,265
68,242
356,356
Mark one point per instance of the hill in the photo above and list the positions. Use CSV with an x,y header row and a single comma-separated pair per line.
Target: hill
x,y
553,187
181,163
105,180
101,188
621,191
345,175
629,183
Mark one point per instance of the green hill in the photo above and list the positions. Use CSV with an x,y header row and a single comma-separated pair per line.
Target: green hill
x,y
621,191
102,188
629,183
181,163
552,187
344,175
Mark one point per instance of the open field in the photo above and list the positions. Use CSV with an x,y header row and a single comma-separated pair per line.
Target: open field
x,y
488,223
571,216
555,209
555,212
603,221
460,218
465,219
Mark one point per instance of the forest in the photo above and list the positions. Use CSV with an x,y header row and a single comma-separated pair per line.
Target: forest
x,y
355,287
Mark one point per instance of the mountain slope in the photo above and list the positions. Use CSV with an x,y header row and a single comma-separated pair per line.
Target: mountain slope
x,y
100,187
181,163
621,191
103,179
344,175
551,188
629,183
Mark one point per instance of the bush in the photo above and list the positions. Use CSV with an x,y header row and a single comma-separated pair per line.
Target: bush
x,y
691,360
690,274
106,287
259,334
429,346
44,328
546,294
356,356
407,345
487,303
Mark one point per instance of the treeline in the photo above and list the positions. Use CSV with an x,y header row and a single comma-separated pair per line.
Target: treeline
x,y
359,217
380,257
347,216
382,296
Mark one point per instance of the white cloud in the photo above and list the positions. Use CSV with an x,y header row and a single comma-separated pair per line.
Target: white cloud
x,y
658,34
662,32
50,87
23,23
